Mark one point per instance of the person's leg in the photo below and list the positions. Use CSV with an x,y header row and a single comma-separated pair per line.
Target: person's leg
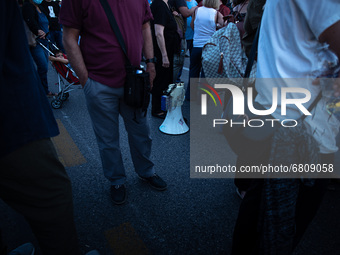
x,y
58,35
190,45
178,61
41,60
139,138
241,183
309,200
160,84
103,107
195,69
246,233
52,37
35,183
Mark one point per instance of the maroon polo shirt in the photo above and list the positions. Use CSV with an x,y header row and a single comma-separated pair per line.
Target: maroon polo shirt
x,y
103,56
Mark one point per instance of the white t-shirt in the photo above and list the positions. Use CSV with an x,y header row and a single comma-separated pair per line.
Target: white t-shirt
x,y
204,25
289,48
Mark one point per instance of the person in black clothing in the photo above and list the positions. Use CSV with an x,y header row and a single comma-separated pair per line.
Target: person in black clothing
x,y
56,35
181,10
166,43
32,180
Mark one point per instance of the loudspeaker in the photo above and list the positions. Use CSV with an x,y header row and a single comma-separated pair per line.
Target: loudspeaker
x,y
174,123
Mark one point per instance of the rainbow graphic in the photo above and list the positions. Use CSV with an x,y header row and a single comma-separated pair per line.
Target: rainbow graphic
x,y
211,95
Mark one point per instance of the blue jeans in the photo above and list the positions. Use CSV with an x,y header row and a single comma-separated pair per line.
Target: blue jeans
x,y
40,57
56,38
195,70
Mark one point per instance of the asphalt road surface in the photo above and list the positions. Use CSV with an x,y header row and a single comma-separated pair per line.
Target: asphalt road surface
x,y
193,216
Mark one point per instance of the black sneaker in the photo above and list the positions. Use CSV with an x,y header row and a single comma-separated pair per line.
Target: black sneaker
x,y
118,194
155,182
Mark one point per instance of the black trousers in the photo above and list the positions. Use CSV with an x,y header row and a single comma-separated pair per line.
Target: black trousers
x,y
34,183
247,232
164,77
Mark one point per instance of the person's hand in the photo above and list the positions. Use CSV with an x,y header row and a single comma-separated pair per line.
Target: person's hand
x,y
41,34
165,62
83,79
175,13
150,68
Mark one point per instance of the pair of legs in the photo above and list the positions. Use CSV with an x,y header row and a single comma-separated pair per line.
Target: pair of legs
x,y
34,183
249,225
105,104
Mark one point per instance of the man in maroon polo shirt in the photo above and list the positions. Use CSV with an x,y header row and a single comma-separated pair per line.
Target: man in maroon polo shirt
x,y
100,65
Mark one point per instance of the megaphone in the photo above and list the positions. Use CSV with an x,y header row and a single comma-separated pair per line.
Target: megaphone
x,y
174,123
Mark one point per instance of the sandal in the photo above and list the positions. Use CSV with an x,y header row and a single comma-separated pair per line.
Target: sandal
x,y
160,115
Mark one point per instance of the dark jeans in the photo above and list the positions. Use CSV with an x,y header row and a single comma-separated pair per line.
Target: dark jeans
x,y
195,71
190,45
56,38
247,233
34,183
40,57
178,62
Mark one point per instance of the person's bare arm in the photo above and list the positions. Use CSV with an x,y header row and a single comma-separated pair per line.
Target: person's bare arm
x,y
159,31
332,36
70,41
148,51
193,21
61,60
186,12
220,19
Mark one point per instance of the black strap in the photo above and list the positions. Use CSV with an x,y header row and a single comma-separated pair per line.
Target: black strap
x,y
115,28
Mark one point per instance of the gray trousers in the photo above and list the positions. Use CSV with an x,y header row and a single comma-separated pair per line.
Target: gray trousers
x,y
104,105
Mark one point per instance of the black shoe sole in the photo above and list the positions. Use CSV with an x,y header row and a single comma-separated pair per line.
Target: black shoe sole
x,y
156,188
121,202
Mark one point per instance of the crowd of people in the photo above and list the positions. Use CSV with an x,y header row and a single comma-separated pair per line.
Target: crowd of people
x,y
161,31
